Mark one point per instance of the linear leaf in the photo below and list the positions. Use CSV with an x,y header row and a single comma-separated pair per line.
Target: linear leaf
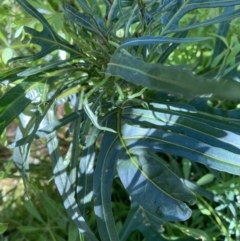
x,y
86,171
140,219
177,144
85,6
31,208
3,227
41,68
201,105
11,74
197,234
171,47
16,99
82,20
46,130
93,117
222,31
103,177
91,6
54,210
64,186
172,26
75,149
187,124
148,40
168,78
222,18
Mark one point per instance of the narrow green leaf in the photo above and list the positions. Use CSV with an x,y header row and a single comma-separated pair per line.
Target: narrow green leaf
x,y
201,104
86,171
64,186
103,177
91,6
11,74
72,232
192,232
200,191
42,68
93,118
33,210
148,40
47,38
219,19
3,227
17,99
7,54
188,6
85,7
147,224
187,124
86,166
222,31
75,149
171,47
46,130
122,20
54,209
158,140
168,78
82,20
29,229
207,178
186,168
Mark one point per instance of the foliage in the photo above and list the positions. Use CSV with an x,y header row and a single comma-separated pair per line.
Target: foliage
x,y
136,79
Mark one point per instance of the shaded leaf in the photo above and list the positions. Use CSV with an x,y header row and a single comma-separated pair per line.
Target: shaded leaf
x,y
222,31
154,187
201,104
170,47
3,227
171,79
195,147
47,38
42,68
190,124
64,186
195,233
86,172
139,219
83,20
19,97
148,40
7,54
93,117
33,210
103,177
172,25
54,209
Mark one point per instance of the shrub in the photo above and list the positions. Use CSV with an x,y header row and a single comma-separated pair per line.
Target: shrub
x,y
140,82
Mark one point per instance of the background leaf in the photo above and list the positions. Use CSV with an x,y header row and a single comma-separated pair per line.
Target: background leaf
x,y
139,219
148,40
47,38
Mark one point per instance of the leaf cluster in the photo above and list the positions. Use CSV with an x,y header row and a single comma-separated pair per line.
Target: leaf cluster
x,y
127,103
